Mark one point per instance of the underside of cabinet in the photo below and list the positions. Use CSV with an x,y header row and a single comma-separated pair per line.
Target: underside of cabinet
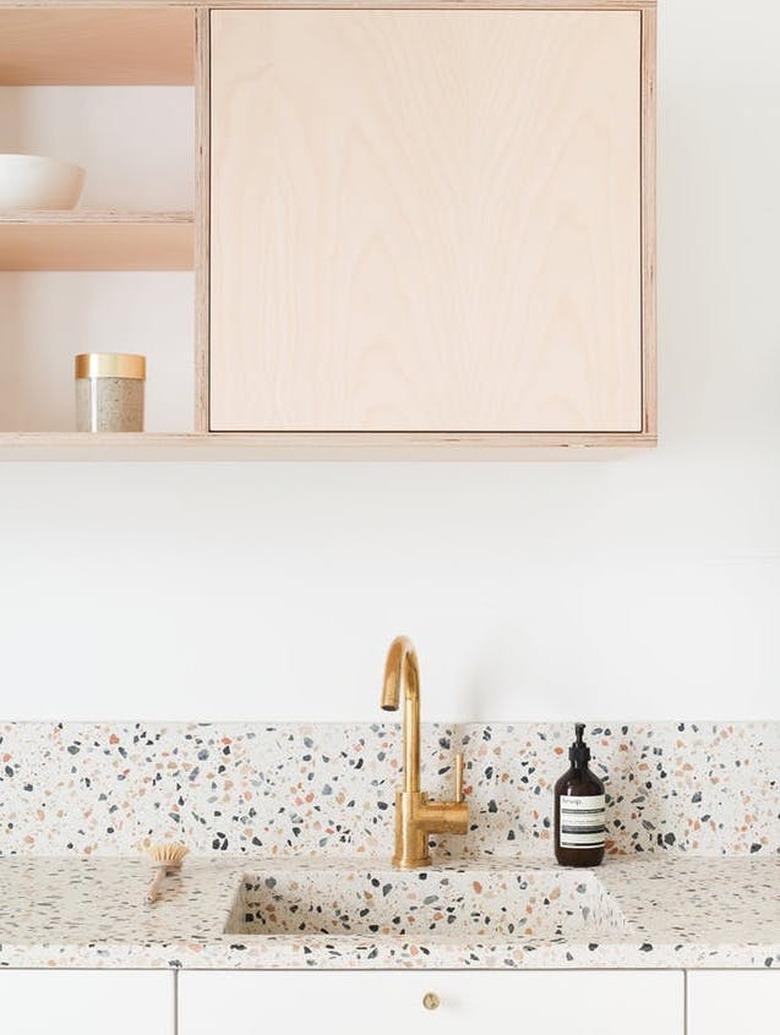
x,y
315,446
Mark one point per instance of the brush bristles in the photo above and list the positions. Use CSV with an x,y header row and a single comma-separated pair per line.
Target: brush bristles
x,y
168,854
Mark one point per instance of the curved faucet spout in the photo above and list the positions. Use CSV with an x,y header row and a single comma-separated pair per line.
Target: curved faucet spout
x,y
416,815
402,674
402,671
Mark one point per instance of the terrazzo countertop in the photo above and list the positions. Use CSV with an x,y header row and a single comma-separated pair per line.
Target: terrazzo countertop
x,y
482,913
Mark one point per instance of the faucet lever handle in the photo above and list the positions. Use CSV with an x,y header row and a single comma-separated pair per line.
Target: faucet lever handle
x,y
459,776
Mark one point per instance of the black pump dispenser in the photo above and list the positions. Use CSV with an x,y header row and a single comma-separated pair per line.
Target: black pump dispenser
x,y
579,752
580,809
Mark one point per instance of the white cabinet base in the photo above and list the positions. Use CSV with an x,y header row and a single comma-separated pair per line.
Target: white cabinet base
x,y
733,1002
386,1003
87,1002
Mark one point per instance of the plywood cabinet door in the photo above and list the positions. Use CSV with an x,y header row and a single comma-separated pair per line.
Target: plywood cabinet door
x,y
425,221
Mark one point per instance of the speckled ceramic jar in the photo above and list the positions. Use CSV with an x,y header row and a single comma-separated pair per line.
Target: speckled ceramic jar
x,y
110,391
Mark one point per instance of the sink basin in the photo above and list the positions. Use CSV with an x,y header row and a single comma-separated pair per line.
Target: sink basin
x,y
500,902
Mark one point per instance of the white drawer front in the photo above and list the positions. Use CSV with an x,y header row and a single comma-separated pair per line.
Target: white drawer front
x,y
733,1002
470,1002
86,1002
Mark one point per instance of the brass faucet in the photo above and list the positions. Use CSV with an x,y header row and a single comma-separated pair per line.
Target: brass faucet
x,y
415,816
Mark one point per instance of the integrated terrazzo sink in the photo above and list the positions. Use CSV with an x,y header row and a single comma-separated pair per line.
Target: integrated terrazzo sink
x,y
498,901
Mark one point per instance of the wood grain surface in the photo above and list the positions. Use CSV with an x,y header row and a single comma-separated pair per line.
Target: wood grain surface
x,y
426,221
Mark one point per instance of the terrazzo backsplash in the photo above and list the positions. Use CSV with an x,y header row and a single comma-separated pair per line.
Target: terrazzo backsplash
x,y
700,788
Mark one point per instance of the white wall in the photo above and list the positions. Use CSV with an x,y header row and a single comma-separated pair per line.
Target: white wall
x,y
643,587
136,144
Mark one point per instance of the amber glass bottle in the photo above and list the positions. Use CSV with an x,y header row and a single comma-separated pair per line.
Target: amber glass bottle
x,y
580,809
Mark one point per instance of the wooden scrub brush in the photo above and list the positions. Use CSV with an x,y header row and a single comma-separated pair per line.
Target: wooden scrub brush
x,y
166,858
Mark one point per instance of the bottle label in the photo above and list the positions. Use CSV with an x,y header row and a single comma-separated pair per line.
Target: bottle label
x,y
583,821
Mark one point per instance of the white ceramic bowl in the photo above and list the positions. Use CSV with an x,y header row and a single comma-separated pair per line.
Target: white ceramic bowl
x,y
34,182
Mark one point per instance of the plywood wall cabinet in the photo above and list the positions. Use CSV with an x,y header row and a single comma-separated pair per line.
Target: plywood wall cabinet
x,y
419,231
433,222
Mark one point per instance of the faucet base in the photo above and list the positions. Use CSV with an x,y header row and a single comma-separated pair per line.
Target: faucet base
x,y
411,864
415,818
411,834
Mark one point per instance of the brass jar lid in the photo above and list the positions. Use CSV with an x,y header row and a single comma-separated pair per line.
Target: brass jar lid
x,y
111,364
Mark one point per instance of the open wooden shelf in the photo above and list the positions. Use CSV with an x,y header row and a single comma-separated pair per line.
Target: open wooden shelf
x,y
84,240
95,46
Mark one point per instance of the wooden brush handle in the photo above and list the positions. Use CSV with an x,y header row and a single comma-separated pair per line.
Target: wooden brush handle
x,y
155,888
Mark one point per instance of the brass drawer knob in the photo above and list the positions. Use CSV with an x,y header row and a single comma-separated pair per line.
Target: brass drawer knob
x,y
431,1001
